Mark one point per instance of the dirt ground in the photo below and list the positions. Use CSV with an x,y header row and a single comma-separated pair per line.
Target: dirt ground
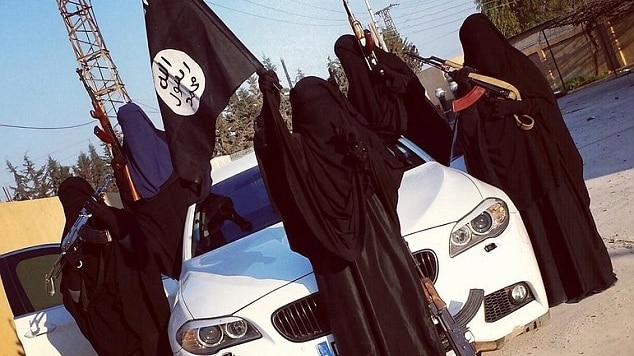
x,y
601,120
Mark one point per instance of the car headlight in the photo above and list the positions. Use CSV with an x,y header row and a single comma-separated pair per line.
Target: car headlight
x,y
208,336
488,219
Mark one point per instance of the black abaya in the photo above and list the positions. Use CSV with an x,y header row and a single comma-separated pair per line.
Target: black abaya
x,y
120,305
540,169
336,193
393,103
165,197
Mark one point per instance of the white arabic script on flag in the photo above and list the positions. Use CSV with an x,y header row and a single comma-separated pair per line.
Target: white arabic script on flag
x,y
179,81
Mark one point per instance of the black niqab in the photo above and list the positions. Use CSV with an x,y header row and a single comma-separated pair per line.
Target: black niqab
x,y
123,309
540,169
394,104
335,187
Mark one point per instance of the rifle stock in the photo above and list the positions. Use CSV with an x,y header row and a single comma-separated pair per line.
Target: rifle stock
x,y
455,333
497,87
438,308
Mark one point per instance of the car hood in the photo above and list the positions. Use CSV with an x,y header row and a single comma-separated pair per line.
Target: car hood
x,y
433,195
227,279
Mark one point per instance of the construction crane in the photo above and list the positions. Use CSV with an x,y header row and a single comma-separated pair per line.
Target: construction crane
x,y
96,68
98,74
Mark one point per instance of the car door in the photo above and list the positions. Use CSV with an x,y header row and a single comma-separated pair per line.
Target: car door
x,y
42,324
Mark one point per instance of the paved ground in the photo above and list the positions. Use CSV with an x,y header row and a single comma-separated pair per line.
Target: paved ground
x,y
601,120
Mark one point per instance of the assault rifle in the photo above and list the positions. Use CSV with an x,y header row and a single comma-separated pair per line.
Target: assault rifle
x,y
454,331
70,239
481,85
107,135
364,37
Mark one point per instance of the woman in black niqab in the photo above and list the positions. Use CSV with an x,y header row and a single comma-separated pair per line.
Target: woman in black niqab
x,y
116,297
540,169
394,102
335,187
165,197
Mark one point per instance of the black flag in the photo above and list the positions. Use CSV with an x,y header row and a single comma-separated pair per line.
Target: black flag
x,y
197,64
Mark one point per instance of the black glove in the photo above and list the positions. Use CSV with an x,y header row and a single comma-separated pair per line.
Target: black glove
x,y
461,77
103,215
506,107
269,85
74,257
94,236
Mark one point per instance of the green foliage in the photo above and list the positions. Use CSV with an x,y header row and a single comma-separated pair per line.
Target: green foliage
x,y
30,180
234,126
56,172
578,82
33,182
337,75
399,46
92,167
512,17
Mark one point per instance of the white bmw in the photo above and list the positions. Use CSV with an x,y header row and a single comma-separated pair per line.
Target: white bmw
x,y
247,293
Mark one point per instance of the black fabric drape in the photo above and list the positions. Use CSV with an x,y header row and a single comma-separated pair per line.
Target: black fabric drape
x,y
162,220
336,189
393,103
541,169
123,309
165,195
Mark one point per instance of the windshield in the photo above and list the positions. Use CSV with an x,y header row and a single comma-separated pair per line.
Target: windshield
x,y
240,206
237,207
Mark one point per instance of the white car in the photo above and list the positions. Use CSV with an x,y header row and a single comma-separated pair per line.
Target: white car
x,y
247,293
42,324
251,295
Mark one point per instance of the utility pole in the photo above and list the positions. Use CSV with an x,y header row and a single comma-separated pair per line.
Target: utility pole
x,y
288,77
384,13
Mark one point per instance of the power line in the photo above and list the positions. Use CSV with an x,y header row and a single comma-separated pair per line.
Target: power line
x,y
274,19
317,7
47,128
292,13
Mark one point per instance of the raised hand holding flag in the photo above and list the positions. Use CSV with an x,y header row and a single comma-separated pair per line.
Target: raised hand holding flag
x,y
197,64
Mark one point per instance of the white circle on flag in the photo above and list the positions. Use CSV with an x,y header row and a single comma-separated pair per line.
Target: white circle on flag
x,y
178,80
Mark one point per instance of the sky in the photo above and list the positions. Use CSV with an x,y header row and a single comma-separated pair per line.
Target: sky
x,y
45,108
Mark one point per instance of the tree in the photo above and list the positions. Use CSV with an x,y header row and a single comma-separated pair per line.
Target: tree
x,y
56,173
512,17
299,75
337,75
30,181
400,46
234,126
92,167
234,129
